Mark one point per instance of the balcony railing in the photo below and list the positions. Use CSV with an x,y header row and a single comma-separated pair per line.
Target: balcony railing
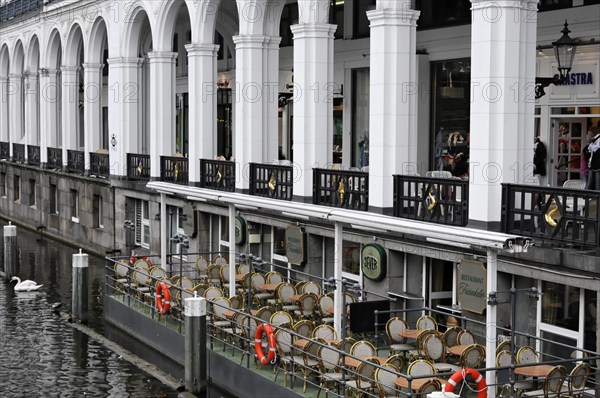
x,y
99,164
566,216
341,188
138,167
18,153
272,181
33,155
217,174
75,161
4,150
174,169
54,161
437,200
18,7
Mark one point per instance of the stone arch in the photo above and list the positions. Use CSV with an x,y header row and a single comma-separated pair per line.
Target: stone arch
x,y
32,95
97,41
274,9
4,60
4,108
73,45
166,22
18,58
32,63
138,22
53,58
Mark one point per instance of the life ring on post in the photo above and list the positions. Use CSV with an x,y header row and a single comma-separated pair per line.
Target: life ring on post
x,y
268,329
163,298
461,375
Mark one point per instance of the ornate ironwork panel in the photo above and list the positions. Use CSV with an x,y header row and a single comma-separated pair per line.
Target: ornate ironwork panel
x,y
438,200
174,169
54,161
33,155
99,164
4,150
138,167
217,174
18,153
272,181
75,161
347,189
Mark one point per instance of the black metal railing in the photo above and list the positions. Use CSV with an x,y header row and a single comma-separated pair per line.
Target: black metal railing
x,y
217,174
341,188
33,155
54,161
566,216
272,181
18,153
75,161
174,169
99,164
18,7
437,200
138,167
4,150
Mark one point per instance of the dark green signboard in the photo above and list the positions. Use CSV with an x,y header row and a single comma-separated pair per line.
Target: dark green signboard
x,y
295,245
240,230
374,261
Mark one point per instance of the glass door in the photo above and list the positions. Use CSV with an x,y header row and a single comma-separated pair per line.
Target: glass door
x,y
568,136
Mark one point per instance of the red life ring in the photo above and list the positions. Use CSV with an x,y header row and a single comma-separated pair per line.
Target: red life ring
x,y
258,344
460,375
163,290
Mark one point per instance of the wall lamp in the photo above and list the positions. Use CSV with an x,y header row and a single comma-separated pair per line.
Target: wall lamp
x,y
564,51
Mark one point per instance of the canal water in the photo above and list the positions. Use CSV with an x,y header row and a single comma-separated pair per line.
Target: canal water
x,y
41,354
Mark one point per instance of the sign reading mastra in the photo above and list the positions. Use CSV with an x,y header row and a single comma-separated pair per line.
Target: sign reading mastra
x,y
472,286
295,245
374,261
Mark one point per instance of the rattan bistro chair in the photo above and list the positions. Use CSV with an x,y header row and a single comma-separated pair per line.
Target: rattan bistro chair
x,y
577,380
553,383
385,380
393,327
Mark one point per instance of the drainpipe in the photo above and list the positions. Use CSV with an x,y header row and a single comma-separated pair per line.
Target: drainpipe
x,y
337,275
163,231
231,250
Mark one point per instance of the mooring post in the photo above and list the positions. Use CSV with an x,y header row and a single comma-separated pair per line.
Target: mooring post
x,y
195,345
10,251
79,301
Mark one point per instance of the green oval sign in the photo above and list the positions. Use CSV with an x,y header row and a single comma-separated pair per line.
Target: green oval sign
x,y
240,230
374,261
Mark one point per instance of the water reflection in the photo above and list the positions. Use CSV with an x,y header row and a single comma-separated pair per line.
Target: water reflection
x,y
44,356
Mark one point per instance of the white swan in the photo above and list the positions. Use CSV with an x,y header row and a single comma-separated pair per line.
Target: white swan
x,y
25,286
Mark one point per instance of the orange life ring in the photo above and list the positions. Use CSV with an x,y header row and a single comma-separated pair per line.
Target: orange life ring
x,y
460,375
162,291
258,344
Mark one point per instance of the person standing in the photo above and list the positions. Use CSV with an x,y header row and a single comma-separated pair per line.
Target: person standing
x,y
539,158
584,170
594,162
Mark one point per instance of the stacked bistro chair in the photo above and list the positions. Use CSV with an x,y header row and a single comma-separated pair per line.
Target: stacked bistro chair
x,y
121,272
472,357
326,302
397,343
222,328
363,348
503,346
280,318
385,377
200,289
274,277
284,292
213,292
419,351
435,351
237,302
310,363
265,313
329,369
525,355
398,360
552,385
324,332
466,338
288,360
346,344
260,297
426,322
201,266
224,276
214,274
220,260
308,304
363,383
304,328
576,381
248,328
311,287
450,336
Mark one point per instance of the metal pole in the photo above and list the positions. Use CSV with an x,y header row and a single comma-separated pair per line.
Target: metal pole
x,y
79,298
163,232
231,250
343,337
10,251
337,275
195,345
513,320
491,315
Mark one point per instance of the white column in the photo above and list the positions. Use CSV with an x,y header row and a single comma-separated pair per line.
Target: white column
x,y
125,96
162,108
249,123
49,109
70,108
232,261
202,104
16,106
271,98
338,308
32,123
4,133
498,118
92,111
313,106
393,83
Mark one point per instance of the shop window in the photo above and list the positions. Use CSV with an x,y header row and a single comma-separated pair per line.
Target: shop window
x,y
560,305
221,43
74,205
17,188
142,223
279,248
361,22
450,117
336,17
53,199
360,117
351,258
3,185
438,14
32,192
224,123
